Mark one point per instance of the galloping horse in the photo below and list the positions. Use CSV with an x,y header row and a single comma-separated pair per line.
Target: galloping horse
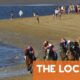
x,y
45,49
49,52
63,48
71,52
29,58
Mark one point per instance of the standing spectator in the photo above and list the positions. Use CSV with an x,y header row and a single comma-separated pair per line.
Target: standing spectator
x,y
62,9
76,9
20,13
56,12
71,9
34,14
38,19
11,15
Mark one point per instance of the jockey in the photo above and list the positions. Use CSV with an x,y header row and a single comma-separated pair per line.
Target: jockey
x,y
45,49
63,44
29,57
52,53
56,12
45,46
29,51
76,48
62,9
63,40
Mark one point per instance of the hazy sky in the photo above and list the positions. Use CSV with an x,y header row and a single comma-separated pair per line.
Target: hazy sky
x,y
34,1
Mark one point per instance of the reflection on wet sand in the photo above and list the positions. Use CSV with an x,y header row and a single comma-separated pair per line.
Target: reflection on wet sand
x,y
11,61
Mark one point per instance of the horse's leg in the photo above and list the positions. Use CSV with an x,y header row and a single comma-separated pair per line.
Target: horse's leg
x,y
28,63
27,60
71,56
44,56
62,54
76,56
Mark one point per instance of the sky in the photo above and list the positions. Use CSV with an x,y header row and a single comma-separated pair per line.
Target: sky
x,y
10,2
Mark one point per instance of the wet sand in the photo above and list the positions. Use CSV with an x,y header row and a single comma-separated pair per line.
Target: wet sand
x,y
22,32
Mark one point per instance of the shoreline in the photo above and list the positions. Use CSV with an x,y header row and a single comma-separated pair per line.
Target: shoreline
x,y
26,31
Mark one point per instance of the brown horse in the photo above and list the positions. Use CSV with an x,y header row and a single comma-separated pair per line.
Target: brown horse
x,y
63,55
29,63
70,55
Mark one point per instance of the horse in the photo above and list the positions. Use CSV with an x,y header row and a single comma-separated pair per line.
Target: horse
x,y
71,55
29,58
74,48
63,55
29,62
63,50
71,52
45,49
50,54
58,12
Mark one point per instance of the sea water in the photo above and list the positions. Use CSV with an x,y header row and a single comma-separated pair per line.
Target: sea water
x,y
6,11
10,56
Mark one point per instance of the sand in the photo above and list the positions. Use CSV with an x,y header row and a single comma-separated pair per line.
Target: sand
x,y
26,31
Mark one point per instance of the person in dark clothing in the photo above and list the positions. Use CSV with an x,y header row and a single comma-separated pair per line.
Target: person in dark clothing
x,y
38,19
29,51
29,57
52,53
76,9
11,15
63,45
44,48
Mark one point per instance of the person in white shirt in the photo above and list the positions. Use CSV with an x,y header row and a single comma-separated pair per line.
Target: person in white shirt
x,y
56,12
20,13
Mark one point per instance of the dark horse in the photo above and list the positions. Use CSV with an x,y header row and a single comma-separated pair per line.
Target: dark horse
x,y
51,53
29,63
63,50
29,58
71,52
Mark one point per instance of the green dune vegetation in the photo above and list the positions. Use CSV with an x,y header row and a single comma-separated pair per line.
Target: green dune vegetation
x,y
24,31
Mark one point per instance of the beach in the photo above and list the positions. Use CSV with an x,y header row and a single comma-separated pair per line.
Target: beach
x,y
26,31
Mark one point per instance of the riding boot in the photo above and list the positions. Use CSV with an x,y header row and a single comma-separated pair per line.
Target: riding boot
x,y
29,67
